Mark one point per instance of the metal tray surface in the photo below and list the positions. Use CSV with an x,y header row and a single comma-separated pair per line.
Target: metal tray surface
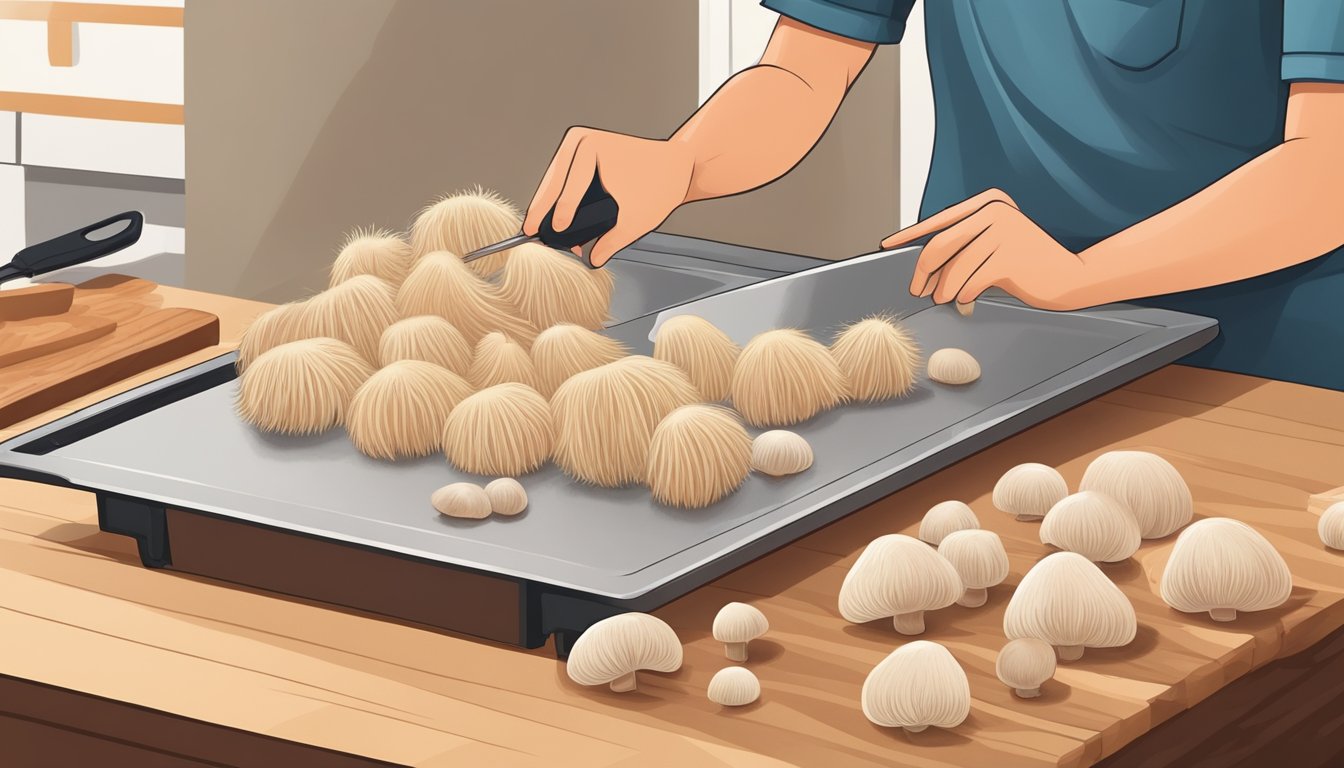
x,y
620,545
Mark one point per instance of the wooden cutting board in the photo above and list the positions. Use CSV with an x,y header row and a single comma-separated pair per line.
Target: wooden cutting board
x,y
37,336
35,301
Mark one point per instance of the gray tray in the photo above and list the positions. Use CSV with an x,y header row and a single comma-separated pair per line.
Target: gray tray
x,y
176,443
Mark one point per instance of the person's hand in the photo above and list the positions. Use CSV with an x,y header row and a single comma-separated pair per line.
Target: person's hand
x,y
986,241
647,177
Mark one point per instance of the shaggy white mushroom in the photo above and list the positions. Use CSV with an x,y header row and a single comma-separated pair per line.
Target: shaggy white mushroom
x,y
737,624
1146,483
734,687
1024,665
1331,526
944,518
1066,601
611,651
980,560
1223,566
900,577
918,685
1028,491
1094,525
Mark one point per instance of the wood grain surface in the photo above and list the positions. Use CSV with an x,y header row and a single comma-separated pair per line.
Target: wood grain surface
x,y
35,301
78,612
26,339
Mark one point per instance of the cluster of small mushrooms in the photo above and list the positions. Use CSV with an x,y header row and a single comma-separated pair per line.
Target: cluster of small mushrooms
x,y
500,365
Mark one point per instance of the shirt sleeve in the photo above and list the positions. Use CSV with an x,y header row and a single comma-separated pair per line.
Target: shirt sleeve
x,y
1313,40
872,21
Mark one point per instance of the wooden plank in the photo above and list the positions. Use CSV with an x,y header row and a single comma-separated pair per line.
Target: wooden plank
x,y
1318,503
26,339
95,13
98,109
61,43
35,301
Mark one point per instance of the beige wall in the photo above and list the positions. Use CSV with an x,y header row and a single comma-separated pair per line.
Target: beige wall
x,y
308,117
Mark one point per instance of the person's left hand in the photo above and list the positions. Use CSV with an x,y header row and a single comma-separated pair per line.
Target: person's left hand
x,y
986,241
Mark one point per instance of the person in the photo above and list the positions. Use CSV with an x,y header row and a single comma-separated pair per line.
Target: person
x,y
1185,154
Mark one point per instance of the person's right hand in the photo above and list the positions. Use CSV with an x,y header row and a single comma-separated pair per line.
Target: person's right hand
x,y
648,178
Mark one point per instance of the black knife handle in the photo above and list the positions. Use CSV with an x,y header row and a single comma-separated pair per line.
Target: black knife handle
x,y
595,217
77,247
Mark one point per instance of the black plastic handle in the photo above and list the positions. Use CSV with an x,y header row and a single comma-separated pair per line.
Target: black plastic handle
x,y
595,217
77,247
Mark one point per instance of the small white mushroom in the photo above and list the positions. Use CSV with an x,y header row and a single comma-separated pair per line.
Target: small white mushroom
x,y
1024,665
1094,525
953,366
507,496
900,577
611,651
734,687
1331,526
980,560
1066,601
466,500
737,624
918,685
944,518
1223,566
780,452
1146,483
1028,491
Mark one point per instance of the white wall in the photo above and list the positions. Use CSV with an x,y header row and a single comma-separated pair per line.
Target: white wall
x,y
733,34
916,117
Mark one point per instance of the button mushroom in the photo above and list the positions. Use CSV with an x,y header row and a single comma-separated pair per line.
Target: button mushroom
x,y
920,684
900,577
1066,601
734,687
1223,566
1146,483
613,649
779,452
980,560
953,366
1331,526
1028,491
736,625
1094,525
1024,665
507,496
944,518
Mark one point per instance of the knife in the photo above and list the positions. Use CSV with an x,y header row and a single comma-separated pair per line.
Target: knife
x,y
74,247
594,217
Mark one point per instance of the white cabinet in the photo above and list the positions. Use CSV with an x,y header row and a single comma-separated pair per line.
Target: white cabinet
x,y
9,138
109,146
111,61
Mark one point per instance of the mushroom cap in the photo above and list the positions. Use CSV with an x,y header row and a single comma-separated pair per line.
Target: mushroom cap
x,y
897,574
783,377
616,646
507,496
440,284
1029,490
401,409
779,452
376,252
704,352
499,360
503,430
356,311
276,326
463,222
466,500
1025,663
944,518
739,623
301,388
979,557
917,685
1065,599
429,338
1331,526
548,287
953,366
566,349
879,358
1094,525
734,687
1222,563
1147,484
698,454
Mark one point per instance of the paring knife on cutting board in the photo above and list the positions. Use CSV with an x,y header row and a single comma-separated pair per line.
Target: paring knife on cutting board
x,y
75,247
595,216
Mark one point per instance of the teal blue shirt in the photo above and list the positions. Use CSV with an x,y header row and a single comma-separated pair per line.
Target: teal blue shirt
x,y
1096,114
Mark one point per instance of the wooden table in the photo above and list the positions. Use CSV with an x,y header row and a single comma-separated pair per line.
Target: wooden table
x,y
101,657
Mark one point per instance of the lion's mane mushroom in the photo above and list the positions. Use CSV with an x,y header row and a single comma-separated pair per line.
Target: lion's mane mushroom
x,y
503,430
429,338
1331,526
376,252
737,624
1223,566
704,352
613,649
401,409
356,311
1024,665
499,360
944,518
879,358
1094,525
440,284
564,350
464,221
276,326
734,687
918,685
1066,601
980,560
784,377
900,577
301,388
1146,483
1028,491
548,288
698,454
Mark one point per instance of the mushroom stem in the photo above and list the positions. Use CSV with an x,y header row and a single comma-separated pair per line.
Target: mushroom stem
x,y
974,598
915,728
1029,518
1027,693
736,651
909,623
1223,614
624,683
1069,652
